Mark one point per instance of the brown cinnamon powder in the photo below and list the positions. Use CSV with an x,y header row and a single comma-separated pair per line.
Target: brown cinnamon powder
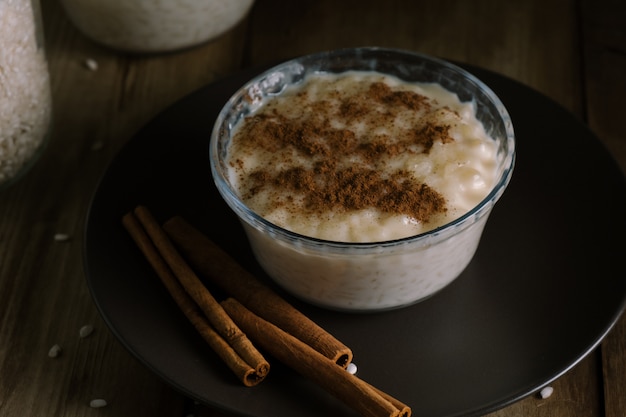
x,y
329,183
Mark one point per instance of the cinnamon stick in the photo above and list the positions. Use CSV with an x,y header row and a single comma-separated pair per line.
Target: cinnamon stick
x,y
405,410
356,393
211,261
229,342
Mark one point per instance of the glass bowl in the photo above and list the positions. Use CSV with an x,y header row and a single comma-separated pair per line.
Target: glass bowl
x,y
371,276
148,26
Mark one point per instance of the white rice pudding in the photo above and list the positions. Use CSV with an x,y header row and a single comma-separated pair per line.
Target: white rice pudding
x,y
363,157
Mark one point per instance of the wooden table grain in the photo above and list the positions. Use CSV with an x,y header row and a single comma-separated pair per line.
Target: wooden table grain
x,y
573,51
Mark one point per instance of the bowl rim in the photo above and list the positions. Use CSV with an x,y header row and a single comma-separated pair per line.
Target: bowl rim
x,y
441,232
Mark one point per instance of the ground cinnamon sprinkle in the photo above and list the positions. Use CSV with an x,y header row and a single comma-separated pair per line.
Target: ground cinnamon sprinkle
x,y
329,183
382,92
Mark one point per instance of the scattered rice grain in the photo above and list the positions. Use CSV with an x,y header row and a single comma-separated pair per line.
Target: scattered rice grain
x,y
91,64
55,351
351,368
61,237
85,331
97,403
546,392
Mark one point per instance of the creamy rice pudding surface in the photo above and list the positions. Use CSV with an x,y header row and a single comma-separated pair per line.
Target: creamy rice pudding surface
x,y
362,157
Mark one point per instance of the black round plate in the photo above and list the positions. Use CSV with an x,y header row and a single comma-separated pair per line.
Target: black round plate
x,y
545,286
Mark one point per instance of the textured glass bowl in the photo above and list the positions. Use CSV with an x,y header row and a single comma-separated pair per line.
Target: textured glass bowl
x,y
365,276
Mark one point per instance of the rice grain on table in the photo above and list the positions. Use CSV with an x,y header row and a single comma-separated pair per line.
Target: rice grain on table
x,y
85,331
54,351
97,403
24,88
61,237
546,392
91,64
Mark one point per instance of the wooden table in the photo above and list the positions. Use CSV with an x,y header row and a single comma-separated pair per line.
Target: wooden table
x,y
573,51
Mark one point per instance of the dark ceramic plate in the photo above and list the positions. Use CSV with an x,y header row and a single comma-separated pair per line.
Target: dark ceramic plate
x,y
544,288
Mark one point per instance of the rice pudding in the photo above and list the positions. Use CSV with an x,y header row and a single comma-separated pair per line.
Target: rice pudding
x,y
363,177
362,157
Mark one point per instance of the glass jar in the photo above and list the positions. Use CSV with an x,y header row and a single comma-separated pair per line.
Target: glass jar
x,y
25,98
154,25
